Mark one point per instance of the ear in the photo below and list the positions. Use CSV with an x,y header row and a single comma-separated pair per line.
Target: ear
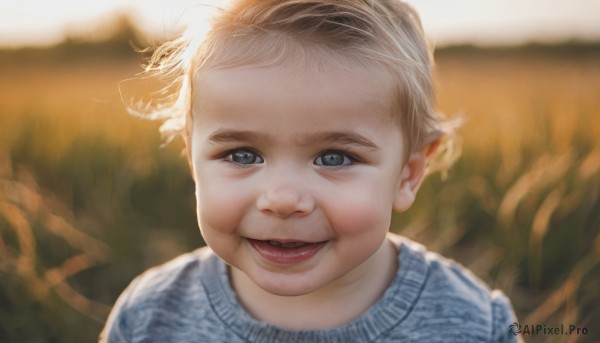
x,y
413,174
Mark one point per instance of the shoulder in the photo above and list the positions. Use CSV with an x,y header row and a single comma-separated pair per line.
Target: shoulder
x,y
175,275
175,280
453,301
440,274
159,297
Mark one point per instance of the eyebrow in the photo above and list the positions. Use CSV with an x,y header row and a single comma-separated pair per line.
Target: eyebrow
x,y
340,137
227,136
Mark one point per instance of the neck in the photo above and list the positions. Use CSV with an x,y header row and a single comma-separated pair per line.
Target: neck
x,y
333,305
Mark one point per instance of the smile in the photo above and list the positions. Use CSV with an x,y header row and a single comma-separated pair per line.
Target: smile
x,y
285,252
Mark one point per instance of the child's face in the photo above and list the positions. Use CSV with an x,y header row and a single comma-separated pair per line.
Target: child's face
x,y
296,170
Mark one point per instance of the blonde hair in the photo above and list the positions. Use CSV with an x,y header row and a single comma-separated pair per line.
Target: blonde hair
x,y
381,33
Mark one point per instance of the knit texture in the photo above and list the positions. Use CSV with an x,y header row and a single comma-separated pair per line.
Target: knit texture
x,y
431,299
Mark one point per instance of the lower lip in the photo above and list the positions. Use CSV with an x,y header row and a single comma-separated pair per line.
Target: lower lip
x,y
285,255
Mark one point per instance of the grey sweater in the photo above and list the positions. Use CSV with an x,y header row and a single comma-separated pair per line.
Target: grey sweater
x,y
431,299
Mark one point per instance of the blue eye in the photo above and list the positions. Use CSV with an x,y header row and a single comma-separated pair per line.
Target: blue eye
x,y
333,159
242,156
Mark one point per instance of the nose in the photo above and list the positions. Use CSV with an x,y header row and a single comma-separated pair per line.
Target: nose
x,y
285,201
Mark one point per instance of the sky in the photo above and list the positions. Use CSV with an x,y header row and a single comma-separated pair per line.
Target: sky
x,y
484,22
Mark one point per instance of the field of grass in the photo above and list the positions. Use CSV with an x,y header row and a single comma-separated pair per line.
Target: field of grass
x,y
88,199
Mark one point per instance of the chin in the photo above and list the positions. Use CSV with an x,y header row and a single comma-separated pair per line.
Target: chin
x,y
286,292
287,286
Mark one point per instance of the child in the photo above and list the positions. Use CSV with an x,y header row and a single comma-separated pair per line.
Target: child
x,y
306,122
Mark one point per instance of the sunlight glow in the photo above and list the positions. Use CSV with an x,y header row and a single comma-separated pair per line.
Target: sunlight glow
x,y
37,22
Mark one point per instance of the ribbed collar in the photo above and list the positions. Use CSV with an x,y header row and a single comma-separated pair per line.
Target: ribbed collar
x,y
388,312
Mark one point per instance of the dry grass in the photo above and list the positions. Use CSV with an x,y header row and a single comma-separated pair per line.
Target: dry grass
x,y
520,208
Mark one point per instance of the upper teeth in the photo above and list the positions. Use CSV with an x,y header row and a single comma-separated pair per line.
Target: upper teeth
x,y
286,245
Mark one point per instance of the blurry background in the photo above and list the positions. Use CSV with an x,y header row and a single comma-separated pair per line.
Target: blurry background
x,y
88,199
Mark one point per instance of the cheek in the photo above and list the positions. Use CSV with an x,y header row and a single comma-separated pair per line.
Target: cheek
x,y
365,211
220,205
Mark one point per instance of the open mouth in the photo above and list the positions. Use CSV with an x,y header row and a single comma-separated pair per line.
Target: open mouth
x,y
286,252
288,245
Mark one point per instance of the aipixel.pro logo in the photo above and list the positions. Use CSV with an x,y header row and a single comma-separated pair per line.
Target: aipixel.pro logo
x,y
542,329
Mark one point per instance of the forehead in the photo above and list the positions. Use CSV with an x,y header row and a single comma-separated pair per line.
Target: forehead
x,y
294,88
